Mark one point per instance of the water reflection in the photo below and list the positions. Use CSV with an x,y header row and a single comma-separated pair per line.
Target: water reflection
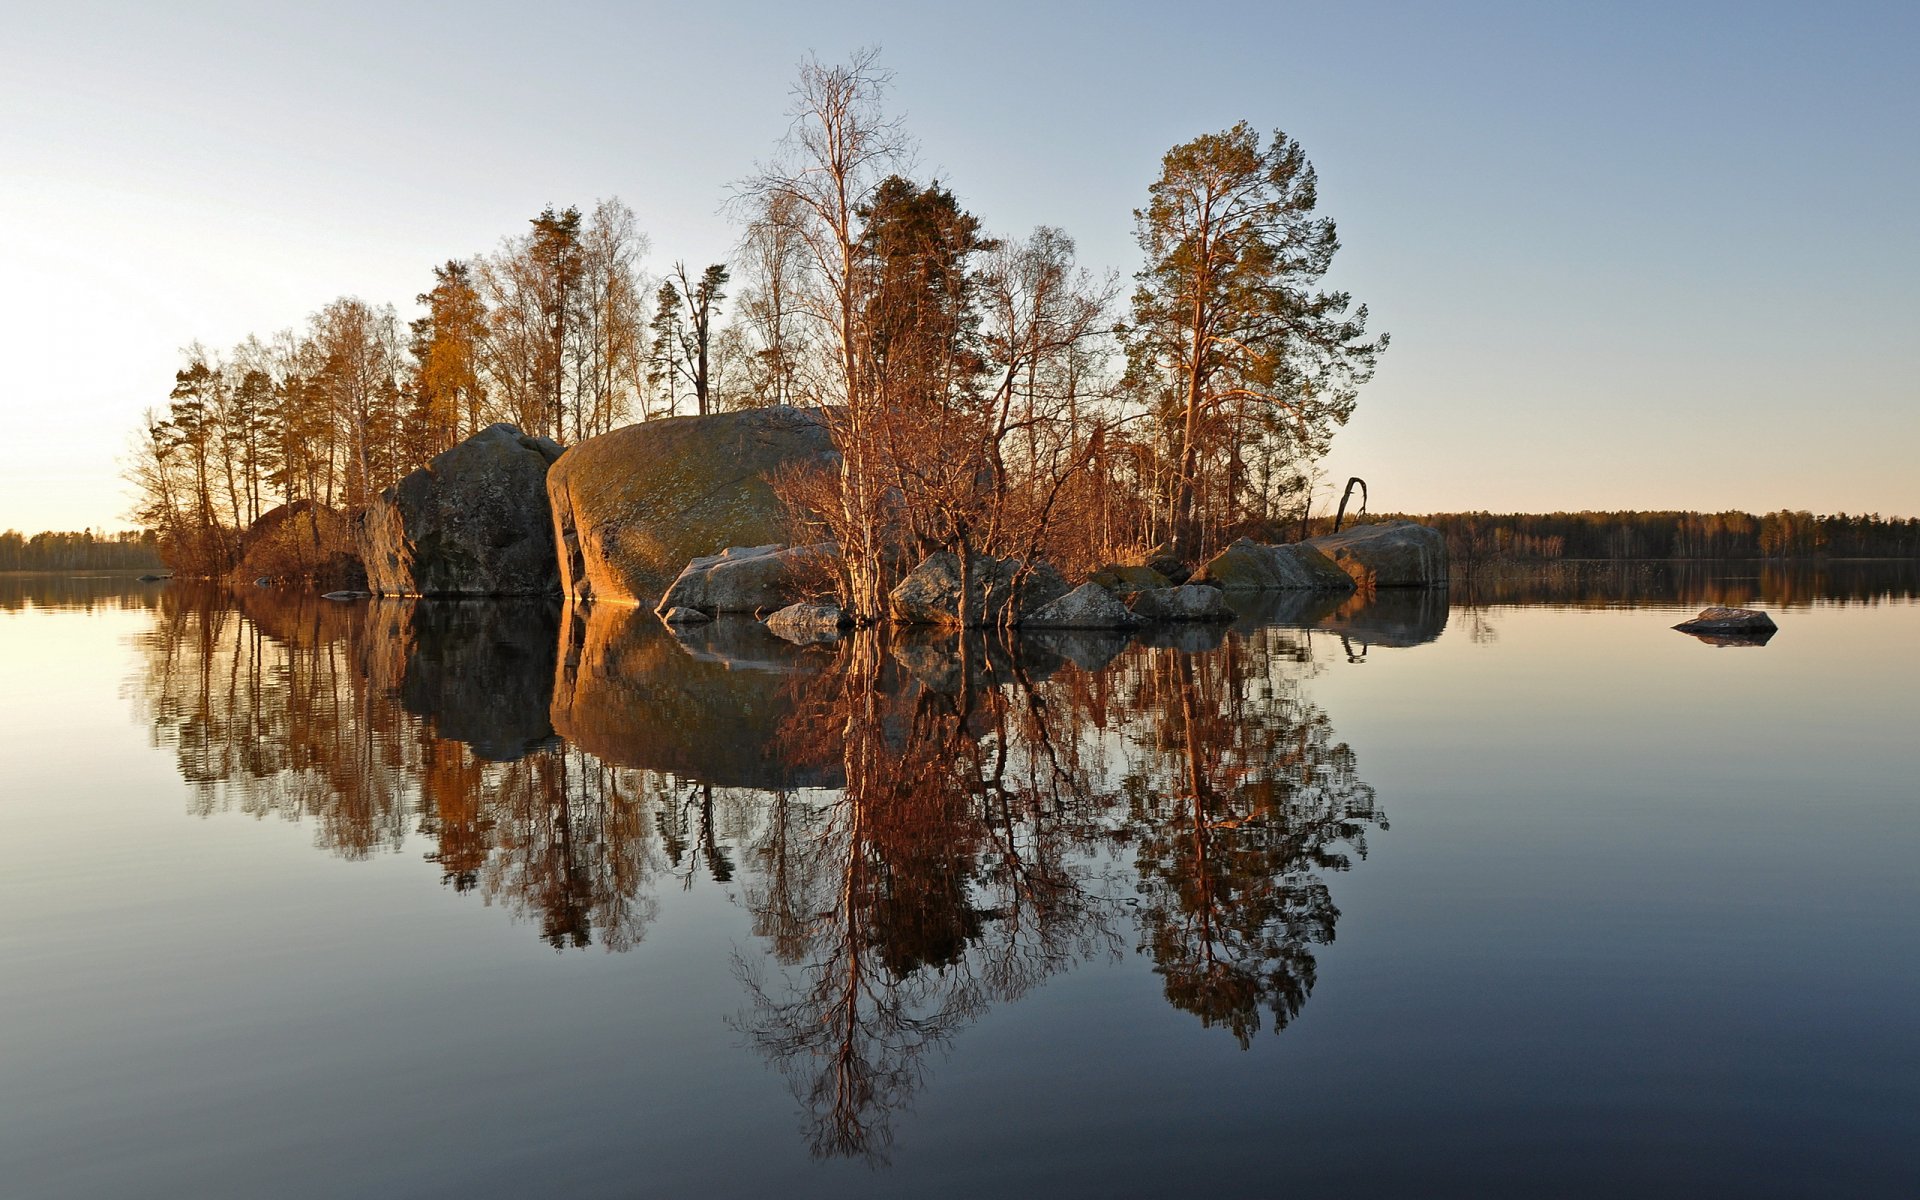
x,y
918,826
1596,584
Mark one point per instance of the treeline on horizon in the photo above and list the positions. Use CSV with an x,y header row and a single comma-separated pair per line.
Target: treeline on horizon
x,y
987,394
82,551
1521,537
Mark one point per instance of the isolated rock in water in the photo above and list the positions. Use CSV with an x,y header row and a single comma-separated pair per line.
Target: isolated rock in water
x,y
1189,602
632,507
1088,606
1250,566
349,594
1390,554
750,579
301,543
1729,620
808,622
154,578
930,594
1123,580
472,522
685,616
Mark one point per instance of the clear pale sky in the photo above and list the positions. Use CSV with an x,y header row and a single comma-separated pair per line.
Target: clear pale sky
x,y
1631,256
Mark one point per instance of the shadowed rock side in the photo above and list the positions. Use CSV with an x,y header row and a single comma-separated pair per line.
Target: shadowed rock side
x,y
930,593
474,521
1390,554
634,506
627,692
300,543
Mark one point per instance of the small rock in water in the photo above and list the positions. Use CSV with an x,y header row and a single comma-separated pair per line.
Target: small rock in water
x,y
808,622
346,595
1728,620
153,578
685,616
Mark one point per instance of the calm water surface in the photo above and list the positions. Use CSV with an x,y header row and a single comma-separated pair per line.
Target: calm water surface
x,y
1529,895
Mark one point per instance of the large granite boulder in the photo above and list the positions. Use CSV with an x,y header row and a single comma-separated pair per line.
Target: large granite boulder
x,y
473,522
930,594
1250,566
1088,606
634,506
1188,602
751,579
301,543
1390,554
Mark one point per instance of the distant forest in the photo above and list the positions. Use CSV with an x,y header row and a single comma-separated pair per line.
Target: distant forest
x,y
1488,537
83,551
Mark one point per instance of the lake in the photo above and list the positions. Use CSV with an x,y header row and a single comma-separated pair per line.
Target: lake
x,y
1513,892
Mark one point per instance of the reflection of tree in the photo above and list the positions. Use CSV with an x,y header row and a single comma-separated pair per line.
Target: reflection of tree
x,y
935,884
1239,804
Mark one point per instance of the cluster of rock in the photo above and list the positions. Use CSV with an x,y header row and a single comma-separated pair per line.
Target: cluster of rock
x,y
678,515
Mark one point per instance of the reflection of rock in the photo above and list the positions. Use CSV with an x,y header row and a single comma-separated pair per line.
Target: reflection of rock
x,y
684,616
942,662
742,644
1088,649
474,521
1757,638
1088,606
1718,619
480,672
632,507
805,623
628,692
1297,609
1390,554
930,594
1250,566
742,579
1395,618
1190,637
302,542
1188,602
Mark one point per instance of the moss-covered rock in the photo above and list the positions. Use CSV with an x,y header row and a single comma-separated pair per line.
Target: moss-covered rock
x,y
1250,566
632,507
1389,554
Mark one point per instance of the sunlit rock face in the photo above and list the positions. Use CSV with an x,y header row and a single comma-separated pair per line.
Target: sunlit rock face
x,y
301,543
1252,566
751,579
472,522
930,594
709,704
632,507
1390,554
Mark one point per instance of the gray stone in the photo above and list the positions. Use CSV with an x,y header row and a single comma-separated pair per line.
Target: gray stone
x,y
474,521
1088,606
751,579
1188,602
930,594
1252,566
1719,619
632,507
685,616
1389,554
806,623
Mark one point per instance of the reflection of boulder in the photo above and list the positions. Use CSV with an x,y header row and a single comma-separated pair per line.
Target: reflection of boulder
x,y
480,672
1190,637
930,594
943,663
1757,638
1395,618
302,542
1250,566
632,507
1295,609
1390,554
629,693
472,522
743,644
1089,649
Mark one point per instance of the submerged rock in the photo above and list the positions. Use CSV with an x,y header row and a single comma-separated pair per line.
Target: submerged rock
x,y
472,522
1188,602
930,594
632,507
750,579
1390,554
1250,566
1088,606
1719,619
685,616
807,623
